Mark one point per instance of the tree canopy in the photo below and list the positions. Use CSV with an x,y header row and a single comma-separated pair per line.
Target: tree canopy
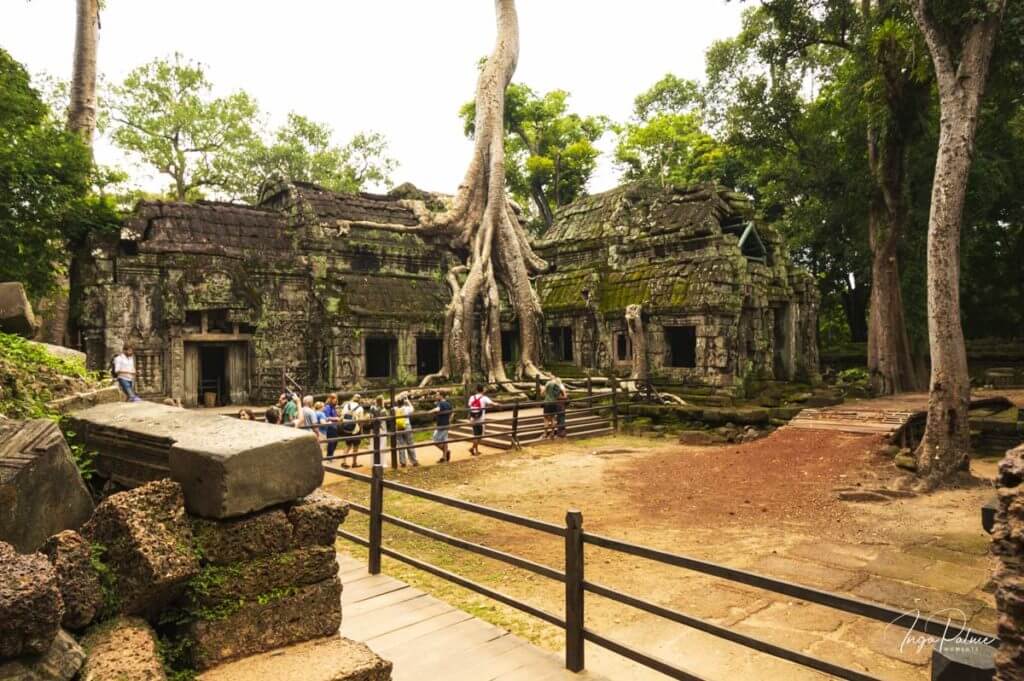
x,y
666,142
46,176
549,151
165,113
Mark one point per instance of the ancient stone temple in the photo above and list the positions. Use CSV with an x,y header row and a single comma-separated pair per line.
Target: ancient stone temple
x,y
222,300
720,301
219,298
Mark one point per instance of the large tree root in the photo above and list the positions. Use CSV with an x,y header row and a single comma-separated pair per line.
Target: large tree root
x,y
482,220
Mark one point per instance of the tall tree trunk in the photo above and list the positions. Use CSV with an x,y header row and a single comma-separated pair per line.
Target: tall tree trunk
x,y
946,443
58,325
541,201
482,220
889,357
82,108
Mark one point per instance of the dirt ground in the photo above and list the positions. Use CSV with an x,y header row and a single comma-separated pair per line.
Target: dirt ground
x,y
769,506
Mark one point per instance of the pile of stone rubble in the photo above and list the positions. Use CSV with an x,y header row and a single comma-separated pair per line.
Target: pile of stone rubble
x,y
226,555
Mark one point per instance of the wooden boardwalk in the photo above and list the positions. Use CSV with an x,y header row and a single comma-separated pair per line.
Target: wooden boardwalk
x,y
427,638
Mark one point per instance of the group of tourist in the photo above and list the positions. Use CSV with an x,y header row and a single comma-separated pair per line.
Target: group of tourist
x,y
357,418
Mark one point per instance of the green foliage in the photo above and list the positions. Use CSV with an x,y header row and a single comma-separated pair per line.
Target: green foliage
x,y
29,376
108,582
302,150
549,152
666,142
46,176
165,113
176,654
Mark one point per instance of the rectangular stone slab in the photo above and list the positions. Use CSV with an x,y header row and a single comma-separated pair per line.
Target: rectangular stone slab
x,y
225,466
324,659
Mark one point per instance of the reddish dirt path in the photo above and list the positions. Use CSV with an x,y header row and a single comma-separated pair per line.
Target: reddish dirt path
x,y
787,475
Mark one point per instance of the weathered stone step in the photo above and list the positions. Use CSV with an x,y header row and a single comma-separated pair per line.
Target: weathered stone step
x,y
324,659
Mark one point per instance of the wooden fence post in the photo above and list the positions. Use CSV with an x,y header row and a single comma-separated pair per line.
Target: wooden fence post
x,y
376,443
574,621
536,390
393,438
515,424
590,386
615,405
376,521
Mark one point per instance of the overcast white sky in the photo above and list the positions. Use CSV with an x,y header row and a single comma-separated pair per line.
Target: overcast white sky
x,y
401,67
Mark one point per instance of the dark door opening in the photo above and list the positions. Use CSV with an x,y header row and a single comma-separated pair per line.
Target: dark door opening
x,y
623,348
561,343
213,376
428,356
681,342
510,346
380,357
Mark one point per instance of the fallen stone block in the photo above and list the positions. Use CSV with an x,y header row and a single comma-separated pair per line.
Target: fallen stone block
x,y
16,314
219,584
271,621
954,661
79,401
147,543
315,519
324,659
59,663
222,542
226,467
30,603
122,649
79,582
41,491
700,438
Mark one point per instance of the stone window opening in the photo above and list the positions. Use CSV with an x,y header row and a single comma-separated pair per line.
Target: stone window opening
x,y
623,347
428,355
381,356
681,346
561,343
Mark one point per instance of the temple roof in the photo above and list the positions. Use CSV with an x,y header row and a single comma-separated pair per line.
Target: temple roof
x,y
637,209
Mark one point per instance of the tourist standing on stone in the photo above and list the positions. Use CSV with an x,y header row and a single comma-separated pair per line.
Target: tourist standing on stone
x,y
272,415
478,404
246,415
403,431
351,415
552,394
442,419
331,429
124,372
297,420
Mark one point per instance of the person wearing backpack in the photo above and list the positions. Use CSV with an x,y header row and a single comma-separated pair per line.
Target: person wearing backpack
x,y
351,415
478,404
403,430
122,368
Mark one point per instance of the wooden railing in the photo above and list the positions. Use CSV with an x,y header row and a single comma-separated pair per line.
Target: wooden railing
x,y
520,426
573,576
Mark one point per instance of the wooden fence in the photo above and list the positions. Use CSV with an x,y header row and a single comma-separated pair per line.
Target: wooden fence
x,y
572,620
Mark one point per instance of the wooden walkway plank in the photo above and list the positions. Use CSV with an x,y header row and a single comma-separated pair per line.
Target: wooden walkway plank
x,y
427,638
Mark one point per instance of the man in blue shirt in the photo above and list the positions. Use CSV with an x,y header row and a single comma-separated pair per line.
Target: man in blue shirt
x,y
442,420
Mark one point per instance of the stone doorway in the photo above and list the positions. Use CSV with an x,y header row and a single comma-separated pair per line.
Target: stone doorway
x,y
216,374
